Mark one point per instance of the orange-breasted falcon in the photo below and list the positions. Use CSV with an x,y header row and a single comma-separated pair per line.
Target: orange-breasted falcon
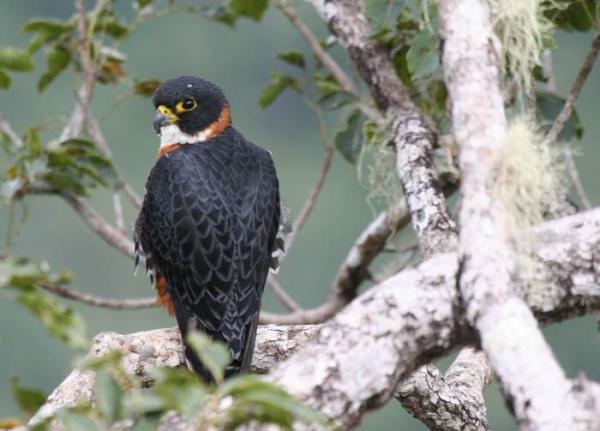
x,y
209,220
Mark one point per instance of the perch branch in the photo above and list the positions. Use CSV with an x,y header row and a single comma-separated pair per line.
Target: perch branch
x,y
418,320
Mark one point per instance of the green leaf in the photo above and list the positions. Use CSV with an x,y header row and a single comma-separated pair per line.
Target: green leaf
x,y
75,421
140,402
110,25
549,105
29,400
142,3
60,321
580,15
422,56
213,355
109,396
33,141
4,79
58,58
250,8
180,390
15,59
348,141
295,58
256,399
276,86
47,25
24,277
146,88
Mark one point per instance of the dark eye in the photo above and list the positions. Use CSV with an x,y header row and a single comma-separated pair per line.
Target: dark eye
x,y
188,103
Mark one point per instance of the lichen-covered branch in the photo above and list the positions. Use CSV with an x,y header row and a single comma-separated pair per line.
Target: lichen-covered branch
x,y
407,321
453,401
162,347
538,390
411,135
413,139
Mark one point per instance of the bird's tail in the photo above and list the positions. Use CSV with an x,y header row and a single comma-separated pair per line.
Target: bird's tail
x,y
238,365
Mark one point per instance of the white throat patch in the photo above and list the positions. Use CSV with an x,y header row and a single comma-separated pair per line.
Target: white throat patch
x,y
171,134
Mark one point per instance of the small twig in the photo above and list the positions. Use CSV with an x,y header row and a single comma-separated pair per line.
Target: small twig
x,y
95,221
10,132
118,208
352,272
84,95
114,303
133,197
315,191
567,110
314,44
281,294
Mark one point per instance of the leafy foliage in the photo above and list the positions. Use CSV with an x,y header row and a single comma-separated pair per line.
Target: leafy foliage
x,y
224,405
73,166
578,15
28,399
278,84
23,277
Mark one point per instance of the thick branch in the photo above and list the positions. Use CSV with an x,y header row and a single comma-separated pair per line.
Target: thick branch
x,y
413,139
162,347
406,321
411,135
538,390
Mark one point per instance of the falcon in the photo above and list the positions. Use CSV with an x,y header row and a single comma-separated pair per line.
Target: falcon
x,y
209,221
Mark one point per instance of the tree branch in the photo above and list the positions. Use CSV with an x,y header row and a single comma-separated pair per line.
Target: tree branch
x,y
567,110
111,235
412,136
539,391
314,44
353,271
413,139
145,350
418,320
281,294
95,301
7,129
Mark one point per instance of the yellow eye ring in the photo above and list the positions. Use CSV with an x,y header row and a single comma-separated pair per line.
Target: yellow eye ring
x,y
186,105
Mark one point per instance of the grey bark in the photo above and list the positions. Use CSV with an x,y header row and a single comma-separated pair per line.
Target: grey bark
x,y
407,321
538,390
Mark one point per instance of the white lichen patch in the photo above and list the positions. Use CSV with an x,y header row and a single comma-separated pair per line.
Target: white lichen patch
x,y
520,26
529,178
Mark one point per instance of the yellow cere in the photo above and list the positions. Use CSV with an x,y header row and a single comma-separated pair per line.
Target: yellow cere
x,y
167,113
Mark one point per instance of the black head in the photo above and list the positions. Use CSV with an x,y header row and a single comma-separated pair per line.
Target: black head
x,y
192,104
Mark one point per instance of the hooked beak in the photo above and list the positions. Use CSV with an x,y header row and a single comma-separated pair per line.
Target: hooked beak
x,y
160,120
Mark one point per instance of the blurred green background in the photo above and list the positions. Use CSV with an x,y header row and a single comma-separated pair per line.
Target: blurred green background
x,y
240,61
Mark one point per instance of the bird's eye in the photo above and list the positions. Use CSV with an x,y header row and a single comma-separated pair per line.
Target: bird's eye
x,y
186,105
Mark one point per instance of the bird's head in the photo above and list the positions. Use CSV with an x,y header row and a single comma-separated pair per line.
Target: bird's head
x,y
189,110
